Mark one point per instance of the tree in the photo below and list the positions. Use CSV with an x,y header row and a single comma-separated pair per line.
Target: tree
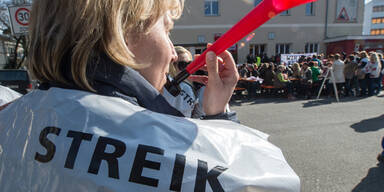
x,y
20,41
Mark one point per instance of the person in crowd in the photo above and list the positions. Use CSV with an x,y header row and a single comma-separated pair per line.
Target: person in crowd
x,y
343,56
287,70
296,70
318,61
243,71
315,76
281,81
251,58
306,80
349,73
187,100
361,74
381,75
315,71
268,74
252,70
262,69
331,58
258,60
301,59
338,72
372,71
252,86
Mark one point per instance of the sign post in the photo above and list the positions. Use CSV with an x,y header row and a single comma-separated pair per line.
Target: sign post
x,y
19,18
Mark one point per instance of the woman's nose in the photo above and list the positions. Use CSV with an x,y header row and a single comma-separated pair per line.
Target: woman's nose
x,y
174,54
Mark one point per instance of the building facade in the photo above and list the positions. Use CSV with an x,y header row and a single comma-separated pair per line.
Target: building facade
x,y
374,17
299,30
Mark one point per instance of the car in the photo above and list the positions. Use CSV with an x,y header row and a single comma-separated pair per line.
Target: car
x,y
15,79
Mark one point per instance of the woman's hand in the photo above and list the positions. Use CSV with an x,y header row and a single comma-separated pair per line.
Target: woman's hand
x,y
221,83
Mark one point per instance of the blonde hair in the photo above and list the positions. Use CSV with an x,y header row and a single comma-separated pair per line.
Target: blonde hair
x,y
79,30
173,70
373,55
181,50
363,54
281,67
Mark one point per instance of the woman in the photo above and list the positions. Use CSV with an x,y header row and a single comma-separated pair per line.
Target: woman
x,y
372,71
379,80
338,72
361,75
281,81
99,122
187,100
306,80
349,73
268,74
296,71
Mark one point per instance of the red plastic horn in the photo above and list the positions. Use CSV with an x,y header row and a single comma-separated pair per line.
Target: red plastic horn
x,y
263,12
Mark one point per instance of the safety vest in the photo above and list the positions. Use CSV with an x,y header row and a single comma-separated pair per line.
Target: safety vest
x,y
67,140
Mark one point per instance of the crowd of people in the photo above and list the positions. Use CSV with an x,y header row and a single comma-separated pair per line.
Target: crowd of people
x,y
358,74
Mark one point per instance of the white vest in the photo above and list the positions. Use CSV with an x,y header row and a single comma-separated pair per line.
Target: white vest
x,y
66,140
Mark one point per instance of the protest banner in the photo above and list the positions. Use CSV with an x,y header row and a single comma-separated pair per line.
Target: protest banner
x,y
289,59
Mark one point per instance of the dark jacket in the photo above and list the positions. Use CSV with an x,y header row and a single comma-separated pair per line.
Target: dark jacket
x,y
350,69
111,79
268,77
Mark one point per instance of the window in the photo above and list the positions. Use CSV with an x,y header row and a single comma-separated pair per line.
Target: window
x,y
379,8
257,2
201,39
286,13
271,36
309,9
199,51
257,49
283,48
211,8
378,20
311,48
377,32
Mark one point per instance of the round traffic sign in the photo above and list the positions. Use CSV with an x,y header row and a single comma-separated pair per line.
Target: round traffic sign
x,y
22,16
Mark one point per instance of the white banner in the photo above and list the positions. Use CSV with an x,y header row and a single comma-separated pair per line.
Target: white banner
x,y
65,140
7,95
19,17
289,59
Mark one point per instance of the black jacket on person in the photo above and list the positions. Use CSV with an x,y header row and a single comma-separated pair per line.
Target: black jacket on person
x,y
268,77
111,79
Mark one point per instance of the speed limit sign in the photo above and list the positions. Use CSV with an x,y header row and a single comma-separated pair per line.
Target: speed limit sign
x,y
22,16
19,17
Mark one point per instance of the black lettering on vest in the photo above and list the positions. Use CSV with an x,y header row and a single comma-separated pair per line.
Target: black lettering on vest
x,y
190,101
99,154
140,162
178,173
49,146
78,137
202,176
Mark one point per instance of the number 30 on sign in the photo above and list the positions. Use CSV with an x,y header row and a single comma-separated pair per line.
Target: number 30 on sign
x,y
19,17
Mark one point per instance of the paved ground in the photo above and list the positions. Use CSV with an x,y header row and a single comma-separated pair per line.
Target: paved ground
x,y
331,146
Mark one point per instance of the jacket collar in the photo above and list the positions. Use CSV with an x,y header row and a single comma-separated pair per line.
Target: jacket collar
x,y
106,73
111,79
